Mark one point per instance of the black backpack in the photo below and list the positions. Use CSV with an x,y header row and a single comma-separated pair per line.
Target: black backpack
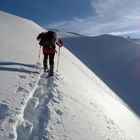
x,y
47,39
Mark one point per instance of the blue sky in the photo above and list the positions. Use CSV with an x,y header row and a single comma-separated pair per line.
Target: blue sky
x,y
88,17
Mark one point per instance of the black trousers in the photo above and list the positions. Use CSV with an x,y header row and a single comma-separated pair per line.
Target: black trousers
x,y
51,60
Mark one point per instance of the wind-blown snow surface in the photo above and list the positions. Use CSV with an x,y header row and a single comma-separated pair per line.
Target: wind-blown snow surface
x,y
115,60
74,104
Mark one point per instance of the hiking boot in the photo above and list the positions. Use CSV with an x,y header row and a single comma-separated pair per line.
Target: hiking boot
x,y
46,70
51,71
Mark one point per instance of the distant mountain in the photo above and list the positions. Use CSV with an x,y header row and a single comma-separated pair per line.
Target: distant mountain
x,y
65,34
136,41
75,34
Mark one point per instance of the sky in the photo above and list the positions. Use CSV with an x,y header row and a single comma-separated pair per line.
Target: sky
x,y
87,17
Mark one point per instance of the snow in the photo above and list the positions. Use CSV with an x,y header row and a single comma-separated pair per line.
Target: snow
x,y
115,60
74,104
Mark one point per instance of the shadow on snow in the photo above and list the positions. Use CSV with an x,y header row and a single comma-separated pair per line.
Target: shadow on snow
x,y
4,66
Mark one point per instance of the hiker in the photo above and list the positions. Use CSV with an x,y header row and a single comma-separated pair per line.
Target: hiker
x,y
48,41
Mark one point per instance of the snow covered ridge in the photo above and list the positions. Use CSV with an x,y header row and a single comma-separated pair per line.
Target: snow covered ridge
x,y
115,60
74,104
62,34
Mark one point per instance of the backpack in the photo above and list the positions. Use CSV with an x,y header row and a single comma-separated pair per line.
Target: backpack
x,y
47,39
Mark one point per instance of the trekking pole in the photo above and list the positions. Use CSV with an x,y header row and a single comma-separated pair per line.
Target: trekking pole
x,y
58,59
38,57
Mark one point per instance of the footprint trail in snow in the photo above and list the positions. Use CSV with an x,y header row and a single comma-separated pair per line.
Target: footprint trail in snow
x,y
36,114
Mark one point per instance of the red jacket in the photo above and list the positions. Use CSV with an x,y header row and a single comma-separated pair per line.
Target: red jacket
x,y
48,51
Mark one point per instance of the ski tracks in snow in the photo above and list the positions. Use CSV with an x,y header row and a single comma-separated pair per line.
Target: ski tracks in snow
x,y
33,122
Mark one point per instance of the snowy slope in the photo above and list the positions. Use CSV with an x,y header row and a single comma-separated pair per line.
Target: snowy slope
x,y
115,60
73,105
18,53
